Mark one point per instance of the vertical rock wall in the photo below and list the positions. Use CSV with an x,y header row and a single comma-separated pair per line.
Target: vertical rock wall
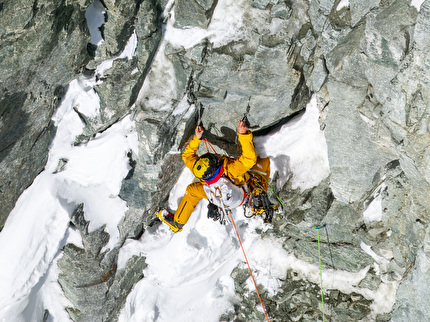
x,y
43,48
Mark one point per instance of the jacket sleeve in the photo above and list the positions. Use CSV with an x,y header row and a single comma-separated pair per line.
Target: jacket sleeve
x,y
189,156
237,167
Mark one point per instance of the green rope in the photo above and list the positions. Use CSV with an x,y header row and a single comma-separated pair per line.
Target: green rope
x,y
319,258
252,171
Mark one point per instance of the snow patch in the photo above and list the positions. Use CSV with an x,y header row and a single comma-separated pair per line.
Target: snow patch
x,y
373,207
188,270
417,4
378,259
95,15
129,52
342,4
227,25
301,147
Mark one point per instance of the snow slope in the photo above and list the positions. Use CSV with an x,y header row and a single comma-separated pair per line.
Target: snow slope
x,y
38,227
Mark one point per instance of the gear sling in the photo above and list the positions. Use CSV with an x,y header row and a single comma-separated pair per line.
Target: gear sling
x,y
235,170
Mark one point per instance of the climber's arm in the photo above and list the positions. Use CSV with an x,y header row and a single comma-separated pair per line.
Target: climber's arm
x,y
248,158
189,156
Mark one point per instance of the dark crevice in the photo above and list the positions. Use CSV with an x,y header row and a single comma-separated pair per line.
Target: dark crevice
x,y
44,130
209,13
276,126
325,66
82,117
132,164
301,94
7,147
83,139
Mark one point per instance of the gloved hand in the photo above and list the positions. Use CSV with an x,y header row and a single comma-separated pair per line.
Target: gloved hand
x,y
213,212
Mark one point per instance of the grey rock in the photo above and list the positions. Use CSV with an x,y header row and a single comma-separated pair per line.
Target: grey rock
x,y
121,19
89,276
194,13
422,23
320,12
122,82
297,300
345,60
259,78
33,36
308,46
326,6
371,281
317,76
61,165
261,4
360,8
281,10
368,66
348,178
412,302
343,257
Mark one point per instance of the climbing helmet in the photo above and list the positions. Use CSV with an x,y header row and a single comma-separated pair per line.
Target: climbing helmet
x,y
206,166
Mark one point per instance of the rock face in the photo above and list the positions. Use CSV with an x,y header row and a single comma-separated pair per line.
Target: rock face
x,y
43,48
79,267
367,64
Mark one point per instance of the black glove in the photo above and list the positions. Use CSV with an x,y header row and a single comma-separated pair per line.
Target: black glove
x,y
213,212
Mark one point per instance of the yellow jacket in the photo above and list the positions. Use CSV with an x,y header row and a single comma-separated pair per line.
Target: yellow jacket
x,y
235,169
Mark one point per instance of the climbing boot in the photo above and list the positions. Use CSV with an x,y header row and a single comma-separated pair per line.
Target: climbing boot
x,y
168,219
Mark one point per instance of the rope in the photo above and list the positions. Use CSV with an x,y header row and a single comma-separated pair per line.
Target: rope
x,y
240,242
319,258
207,143
249,267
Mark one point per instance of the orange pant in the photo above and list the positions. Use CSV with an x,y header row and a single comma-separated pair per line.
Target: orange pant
x,y
191,198
195,193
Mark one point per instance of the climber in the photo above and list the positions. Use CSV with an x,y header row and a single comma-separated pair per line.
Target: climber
x,y
224,181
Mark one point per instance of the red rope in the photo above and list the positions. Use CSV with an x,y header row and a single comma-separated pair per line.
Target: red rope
x,y
240,242
206,144
249,267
